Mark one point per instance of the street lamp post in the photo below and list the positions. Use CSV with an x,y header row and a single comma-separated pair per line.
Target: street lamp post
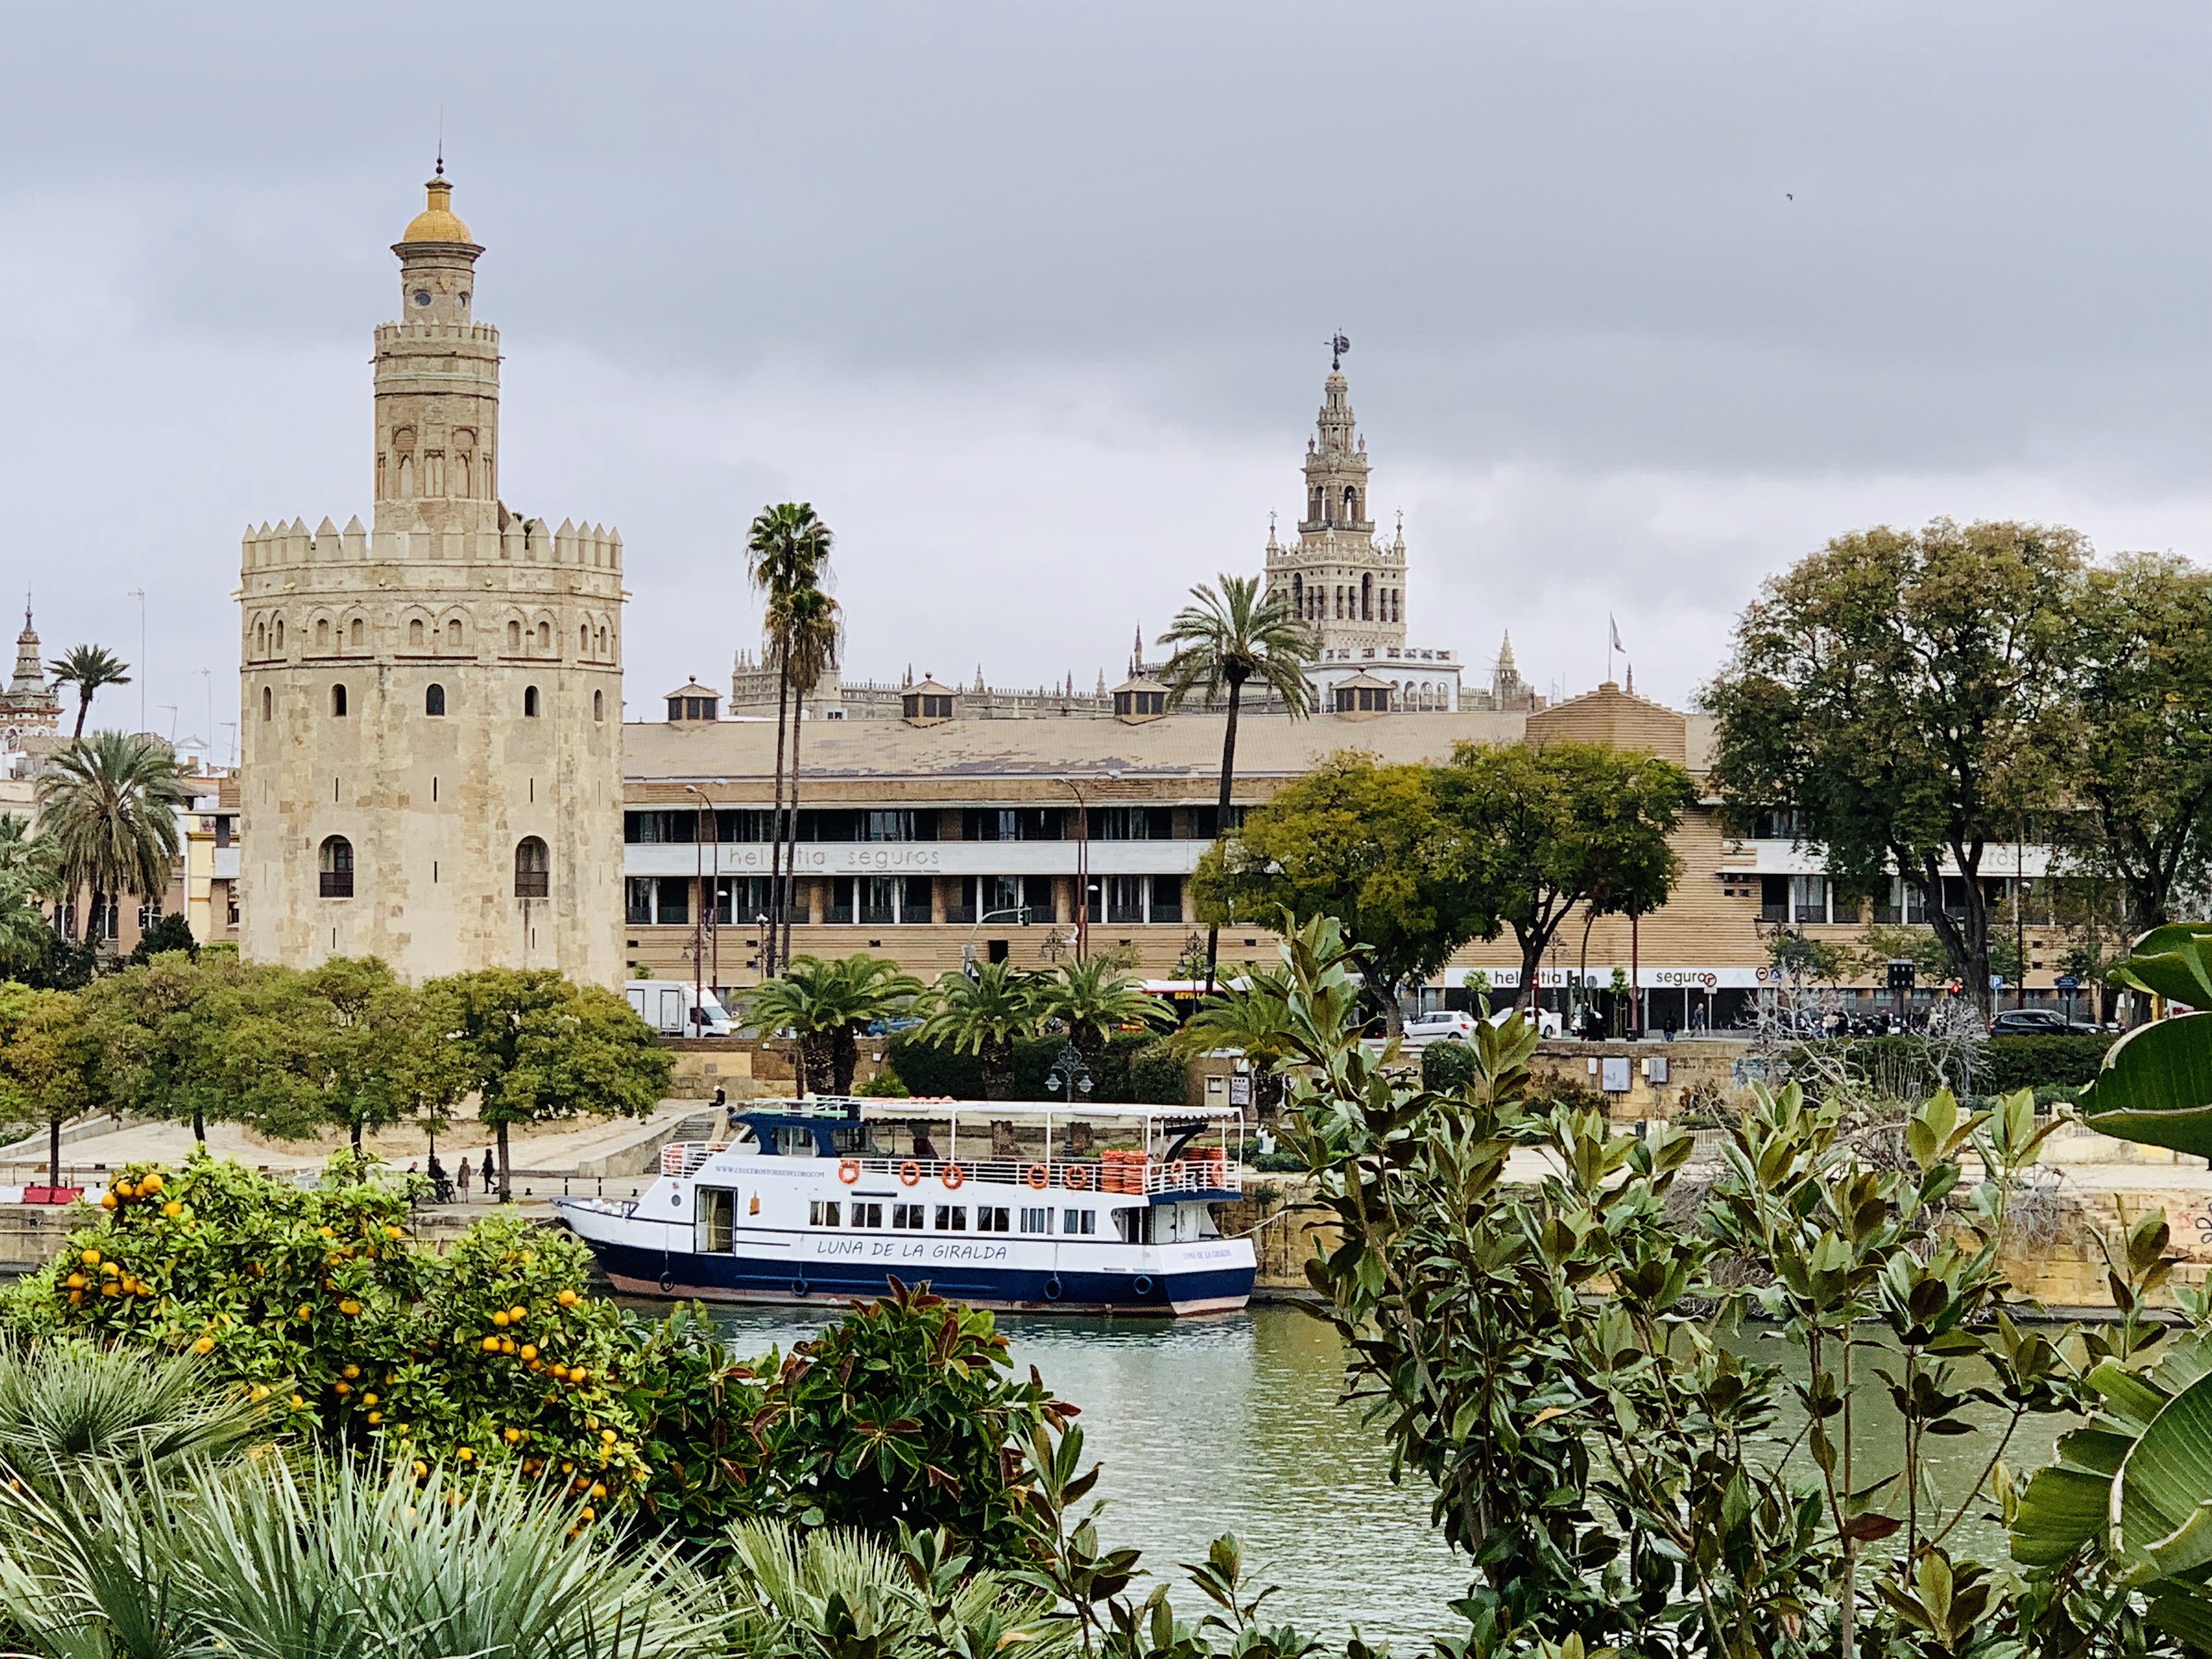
x,y
1082,863
701,899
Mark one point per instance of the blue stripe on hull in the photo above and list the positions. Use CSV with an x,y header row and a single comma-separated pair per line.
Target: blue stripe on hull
x,y
734,1279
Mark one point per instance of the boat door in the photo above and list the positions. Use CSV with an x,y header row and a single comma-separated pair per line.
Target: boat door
x,y
714,1219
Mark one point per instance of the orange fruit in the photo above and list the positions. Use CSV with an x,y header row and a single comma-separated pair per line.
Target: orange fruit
x,y
108,1201
518,1312
205,1344
150,1182
368,1399
376,1418
172,1208
511,1435
343,1387
350,1372
499,1318
530,1350
90,1258
567,1298
349,1306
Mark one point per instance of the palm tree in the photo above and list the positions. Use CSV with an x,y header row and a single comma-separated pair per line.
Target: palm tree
x,y
828,1005
809,624
27,878
984,1016
1090,998
1227,638
786,550
109,804
88,667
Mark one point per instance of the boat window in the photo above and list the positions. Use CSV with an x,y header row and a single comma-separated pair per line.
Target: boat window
x,y
1079,1221
1036,1221
868,1215
908,1216
851,1140
741,1134
952,1217
821,1212
714,1215
795,1140
1131,1226
991,1219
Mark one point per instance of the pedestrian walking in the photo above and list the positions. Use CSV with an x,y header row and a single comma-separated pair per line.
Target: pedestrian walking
x,y
490,1174
461,1177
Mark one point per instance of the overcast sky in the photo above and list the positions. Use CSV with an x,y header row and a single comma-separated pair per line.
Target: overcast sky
x,y
1030,300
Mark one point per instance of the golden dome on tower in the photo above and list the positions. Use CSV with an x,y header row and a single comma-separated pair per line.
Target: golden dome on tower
x,y
437,222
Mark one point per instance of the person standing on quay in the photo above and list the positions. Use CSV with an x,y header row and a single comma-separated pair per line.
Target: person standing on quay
x,y
491,1174
461,1179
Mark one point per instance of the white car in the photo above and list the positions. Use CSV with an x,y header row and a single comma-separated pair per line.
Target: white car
x,y
1445,1024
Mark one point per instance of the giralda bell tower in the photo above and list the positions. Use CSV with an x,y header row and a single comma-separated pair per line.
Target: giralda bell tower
x,y
432,765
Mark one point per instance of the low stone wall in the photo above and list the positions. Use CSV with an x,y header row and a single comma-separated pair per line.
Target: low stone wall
x,y
749,1068
1696,1068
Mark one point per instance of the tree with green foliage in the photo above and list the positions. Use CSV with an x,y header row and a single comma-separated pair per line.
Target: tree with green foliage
x,y
1536,834
168,932
343,1044
1365,844
1806,960
90,668
1244,633
2135,756
1899,690
534,1046
984,1015
109,804
50,1063
1091,1000
162,1027
826,1005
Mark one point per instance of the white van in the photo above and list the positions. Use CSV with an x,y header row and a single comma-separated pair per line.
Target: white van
x,y
666,1005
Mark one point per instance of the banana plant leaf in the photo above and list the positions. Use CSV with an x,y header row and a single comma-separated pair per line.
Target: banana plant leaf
x,y
2155,1086
2162,1498
2174,961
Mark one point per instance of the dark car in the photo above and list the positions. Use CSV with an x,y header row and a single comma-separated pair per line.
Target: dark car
x,y
2037,1022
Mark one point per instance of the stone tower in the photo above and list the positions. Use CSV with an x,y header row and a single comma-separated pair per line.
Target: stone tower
x,y
1349,586
431,768
28,709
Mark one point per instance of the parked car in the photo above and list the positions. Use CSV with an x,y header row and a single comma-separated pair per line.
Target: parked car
x,y
1445,1024
2039,1021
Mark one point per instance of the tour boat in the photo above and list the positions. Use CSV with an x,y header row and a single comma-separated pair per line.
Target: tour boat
x,y
811,1199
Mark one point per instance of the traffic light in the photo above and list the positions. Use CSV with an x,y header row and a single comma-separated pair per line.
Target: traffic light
x,y
1901,973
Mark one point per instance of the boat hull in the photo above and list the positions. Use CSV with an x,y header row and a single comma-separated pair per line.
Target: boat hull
x,y
1181,1289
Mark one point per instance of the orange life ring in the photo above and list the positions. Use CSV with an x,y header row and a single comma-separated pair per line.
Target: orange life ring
x,y
1076,1177
848,1170
909,1173
1036,1176
952,1175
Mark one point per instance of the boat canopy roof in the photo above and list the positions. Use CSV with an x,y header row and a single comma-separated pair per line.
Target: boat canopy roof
x,y
901,1107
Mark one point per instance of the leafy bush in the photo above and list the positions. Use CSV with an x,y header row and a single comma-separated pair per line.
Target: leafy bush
x,y
1447,1067
883,1086
2033,1062
1110,1072
926,1069
1158,1076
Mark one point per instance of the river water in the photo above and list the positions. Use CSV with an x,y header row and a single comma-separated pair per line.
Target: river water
x,y
1232,1424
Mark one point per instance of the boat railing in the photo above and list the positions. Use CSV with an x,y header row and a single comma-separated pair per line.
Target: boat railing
x,y
1125,1175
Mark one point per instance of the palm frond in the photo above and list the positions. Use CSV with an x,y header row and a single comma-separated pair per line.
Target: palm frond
x,y
1239,633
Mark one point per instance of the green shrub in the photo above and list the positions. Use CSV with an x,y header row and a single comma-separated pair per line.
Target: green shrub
x,y
1110,1071
1158,1076
928,1070
1034,1060
883,1086
1278,1163
2033,1062
1447,1067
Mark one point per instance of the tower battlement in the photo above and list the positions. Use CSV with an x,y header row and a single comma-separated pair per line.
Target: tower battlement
x,y
517,541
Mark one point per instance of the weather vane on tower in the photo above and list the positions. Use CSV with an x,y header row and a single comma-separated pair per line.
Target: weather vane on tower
x,y
1339,344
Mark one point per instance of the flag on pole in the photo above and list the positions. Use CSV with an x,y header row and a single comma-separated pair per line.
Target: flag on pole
x,y
1616,626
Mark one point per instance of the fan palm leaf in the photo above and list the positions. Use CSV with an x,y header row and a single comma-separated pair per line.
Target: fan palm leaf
x,y
1091,998
109,806
984,1016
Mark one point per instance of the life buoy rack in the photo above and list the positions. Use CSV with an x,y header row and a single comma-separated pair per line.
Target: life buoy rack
x,y
909,1173
1036,1176
952,1175
1142,1284
848,1170
1076,1177
1053,1289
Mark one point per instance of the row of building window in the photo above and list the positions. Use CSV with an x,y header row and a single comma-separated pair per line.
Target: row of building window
x,y
1816,900
334,868
1315,602
949,1217
685,825
909,900
592,640
434,702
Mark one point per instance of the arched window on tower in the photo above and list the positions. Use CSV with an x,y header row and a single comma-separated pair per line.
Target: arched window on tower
x,y
545,636
453,634
268,703
322,633
414,633
1351,504
530,702
260,639
533,869
1298,595
338,702
334,868
514,639
280,633
433,699
360,634
583,639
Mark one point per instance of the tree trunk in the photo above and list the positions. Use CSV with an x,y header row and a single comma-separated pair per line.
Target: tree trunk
x,y
790,877
83,707
1221,816
997,1054
844,1060
505,1168
355,1128
1533,945
775,825
199,1124
53,1152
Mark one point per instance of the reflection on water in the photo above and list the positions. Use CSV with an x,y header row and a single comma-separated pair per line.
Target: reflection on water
x,y
1231,1425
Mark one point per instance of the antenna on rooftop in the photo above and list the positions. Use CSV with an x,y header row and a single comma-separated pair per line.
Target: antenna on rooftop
x,y
441,141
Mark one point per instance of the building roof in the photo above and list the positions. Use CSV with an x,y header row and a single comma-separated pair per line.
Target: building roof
x,y
693,688
1185,745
